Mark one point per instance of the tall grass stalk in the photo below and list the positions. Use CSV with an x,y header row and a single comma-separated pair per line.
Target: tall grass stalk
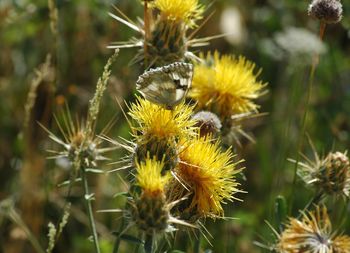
x,y
315,62
94,108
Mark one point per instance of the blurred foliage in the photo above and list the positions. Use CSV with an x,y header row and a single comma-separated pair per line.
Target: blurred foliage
x,y
79,53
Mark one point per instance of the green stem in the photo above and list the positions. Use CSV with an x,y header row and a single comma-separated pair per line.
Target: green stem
x,y
149,243
197,243
137,247
303,122
117,240
88,199
315,200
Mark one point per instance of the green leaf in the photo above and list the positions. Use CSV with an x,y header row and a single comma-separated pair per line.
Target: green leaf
x,y
280,209
118,194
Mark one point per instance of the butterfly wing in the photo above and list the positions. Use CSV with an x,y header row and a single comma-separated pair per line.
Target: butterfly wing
x,y
166,86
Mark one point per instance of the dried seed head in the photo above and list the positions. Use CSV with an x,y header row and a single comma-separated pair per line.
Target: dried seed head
x,y
334,175
327,11
208,123
312,233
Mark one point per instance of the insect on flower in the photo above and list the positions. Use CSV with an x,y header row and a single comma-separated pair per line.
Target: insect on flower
x,y
166,86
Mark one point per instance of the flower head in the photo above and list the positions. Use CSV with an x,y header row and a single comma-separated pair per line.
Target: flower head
x,y
163,36
327,11
155,122
312,234
149,209
208,123
207,177
187,11
329,175
149,177
77,141
226,85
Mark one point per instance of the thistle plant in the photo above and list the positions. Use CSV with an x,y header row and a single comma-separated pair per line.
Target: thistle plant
x,y
327,12
171,172
312,233
330,175
82,148
165,35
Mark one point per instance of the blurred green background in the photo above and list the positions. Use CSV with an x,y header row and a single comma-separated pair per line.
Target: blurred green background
x,y
276,34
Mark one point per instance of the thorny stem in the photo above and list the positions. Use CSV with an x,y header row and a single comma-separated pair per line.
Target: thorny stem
x,y
88,198
315,62
148,243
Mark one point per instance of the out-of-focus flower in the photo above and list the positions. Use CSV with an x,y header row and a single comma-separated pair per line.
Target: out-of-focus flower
x,y
329,175
296,44
311,234
226,85
327,11
231,23
206,176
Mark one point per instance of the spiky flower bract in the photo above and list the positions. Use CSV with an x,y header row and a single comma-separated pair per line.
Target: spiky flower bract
x,y
187,11
311,234
226,85
206,175
155,122
76,140
329,175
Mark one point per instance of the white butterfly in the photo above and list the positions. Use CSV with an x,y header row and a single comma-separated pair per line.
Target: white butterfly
x,y
167,85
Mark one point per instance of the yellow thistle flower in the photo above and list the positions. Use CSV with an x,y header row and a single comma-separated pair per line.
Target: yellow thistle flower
x,y
312,234
187,11
149,177
226,85
163,36
157,122
208,173
150,210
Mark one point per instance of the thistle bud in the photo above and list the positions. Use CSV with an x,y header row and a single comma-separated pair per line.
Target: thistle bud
x,y
150,213
327,11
